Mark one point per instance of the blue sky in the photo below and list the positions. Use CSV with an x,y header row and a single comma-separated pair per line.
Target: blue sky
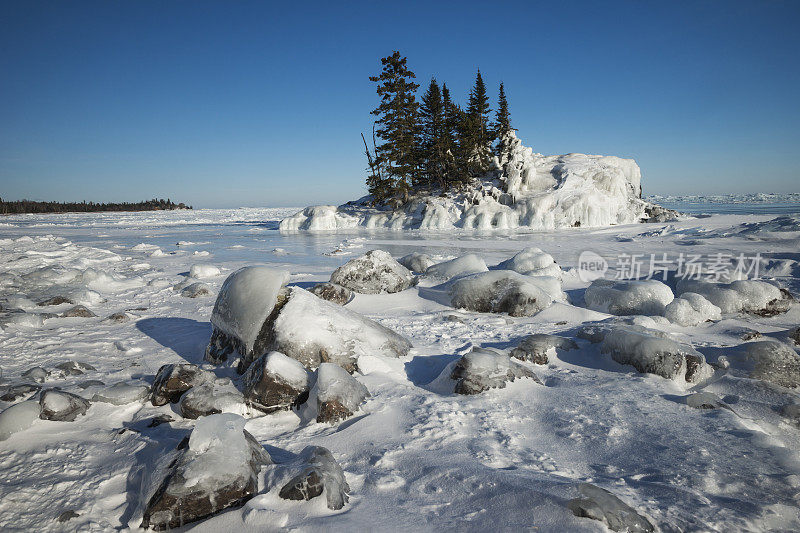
x,y
225,104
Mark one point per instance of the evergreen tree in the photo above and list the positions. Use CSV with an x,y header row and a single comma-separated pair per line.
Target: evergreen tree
x,y
433,140
455,170
476,132
397,157
502,127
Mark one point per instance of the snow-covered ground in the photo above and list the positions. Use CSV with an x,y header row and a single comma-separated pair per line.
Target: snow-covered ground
x,y
415,455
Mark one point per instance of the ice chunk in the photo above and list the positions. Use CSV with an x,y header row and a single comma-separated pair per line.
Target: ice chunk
x,y
373,273
246,299
505,291
18,417
122,393
275,381
416,262
534,347
645,297
61,406
203,271
212,397
691,309
460,266
600,504
320,473
532,262
337,393
483,369
749,296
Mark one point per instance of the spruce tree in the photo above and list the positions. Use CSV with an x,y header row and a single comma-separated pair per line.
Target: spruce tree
x,y
477,134
433,139
455,165
397,156
502,127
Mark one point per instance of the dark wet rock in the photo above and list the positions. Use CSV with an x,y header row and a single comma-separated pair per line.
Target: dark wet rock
x,y
319,472
600,504
534,347
67,515
174,379
55,300
211,397
227,458
36,374
275,382
483,369
333,293
656,213
373,273
74,368
61,406
78,311
12,393
337,393
118,317
160,419
196,290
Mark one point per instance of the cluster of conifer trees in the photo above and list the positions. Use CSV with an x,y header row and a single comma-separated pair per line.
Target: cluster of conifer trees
x,y
29,206
434,143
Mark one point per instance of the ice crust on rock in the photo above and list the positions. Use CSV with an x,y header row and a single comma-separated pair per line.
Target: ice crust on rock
x,y
532,262
275,381
60,406
172,380
483,368
534,347
122,393
768,360
691,309
460,266
195,290
36,374
18,417
535,192
505,291
416,262
629,297
216,469
373,273
338,394
212,397
749,296
12,393
319,473
599,504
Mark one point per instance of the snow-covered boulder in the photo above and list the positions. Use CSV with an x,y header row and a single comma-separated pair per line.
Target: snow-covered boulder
x,y
216,469
483,369
122,393
532,262
599,504
373,273
416,262
337,394
460,266
61,406
505,291
534,347
212,397
691,309
630,297
18,417
274,382
768,360
319,472
749,296
203,271
332,292
173,380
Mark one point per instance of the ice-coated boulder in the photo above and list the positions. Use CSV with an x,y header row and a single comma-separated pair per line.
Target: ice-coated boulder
x,y
505,291
173,380
274,382
212,397
691,309
63,406
118,317
78,311
416,262
203,271
599,504
768,360
18,417
373,273
12,393
704,400
460,266
534,347
55,300
216,469
332,292
483,369
319,472
749,296
532,262
630,297
122,393
36,374
338,394
195,290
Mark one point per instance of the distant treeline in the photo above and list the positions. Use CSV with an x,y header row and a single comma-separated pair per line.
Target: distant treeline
x,y
29,206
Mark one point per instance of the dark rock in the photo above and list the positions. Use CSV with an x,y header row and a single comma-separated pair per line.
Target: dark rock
x,y
320,473
599,504
454,318
14,392
118,317
483,369
74,368
78,311
174,379
656,213
777,306
67,515
534,347
338,394
55,300
158,420
274,382
750,334
61,406
333,293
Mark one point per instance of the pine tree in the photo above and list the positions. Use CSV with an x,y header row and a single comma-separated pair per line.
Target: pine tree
x,y
502,127
397,156
477,134
433,138
454,172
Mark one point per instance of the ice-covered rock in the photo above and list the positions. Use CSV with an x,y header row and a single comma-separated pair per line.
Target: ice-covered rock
x,y
36,374
338,394
319,218
195,290
61,406
373,273
78,311
599,504
201,271
416,262
55,300
505,291
216,469
18,417
74,368
794,336
532,262
634,297
173,380
534,347
118,317
333,293
749,296
460,266
704,400
212,397
319,473
274,382
483,369
767,360
12,393
691,309
122,393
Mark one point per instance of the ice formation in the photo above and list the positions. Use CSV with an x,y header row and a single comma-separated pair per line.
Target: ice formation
x,y
691,309
505,291
460,266
749,296
18,417
416,262
534,347
275,381
61,406
483,369
599,504
203,271
337,393
212,397
645,297
373,273
122,393
532,262
320,473
768,360
536,192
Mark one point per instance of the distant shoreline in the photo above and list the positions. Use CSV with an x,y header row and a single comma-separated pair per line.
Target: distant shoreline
x,y
24,207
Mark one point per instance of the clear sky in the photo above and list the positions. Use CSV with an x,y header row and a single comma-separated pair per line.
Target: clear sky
x,y
238,103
